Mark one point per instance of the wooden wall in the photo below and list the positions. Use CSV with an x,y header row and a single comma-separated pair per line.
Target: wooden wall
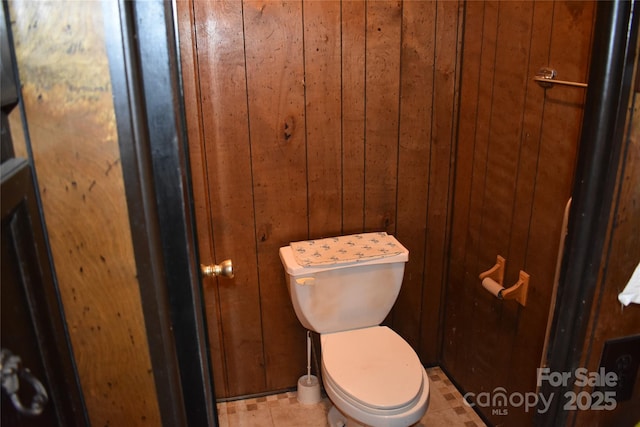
x,y
67,98
517,146
311,119
609,319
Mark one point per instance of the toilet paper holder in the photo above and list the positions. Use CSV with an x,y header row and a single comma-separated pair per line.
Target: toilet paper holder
x,y
516,292
496,272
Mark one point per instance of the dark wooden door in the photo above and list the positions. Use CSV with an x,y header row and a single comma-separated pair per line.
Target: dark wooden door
x,y
19,336
32,322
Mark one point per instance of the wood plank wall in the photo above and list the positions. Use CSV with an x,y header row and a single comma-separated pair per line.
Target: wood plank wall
x,y
609,320
516,146
311,119
66,92
317,118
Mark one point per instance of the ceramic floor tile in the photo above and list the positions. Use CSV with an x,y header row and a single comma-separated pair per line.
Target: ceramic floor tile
x,y
252,418
298,415
223,419
446,408
442,418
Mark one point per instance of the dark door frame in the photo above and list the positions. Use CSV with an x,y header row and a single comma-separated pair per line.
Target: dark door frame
x,y
146,81
603,126
145,78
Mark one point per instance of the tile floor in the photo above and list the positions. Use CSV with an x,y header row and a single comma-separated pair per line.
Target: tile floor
x,y
446,408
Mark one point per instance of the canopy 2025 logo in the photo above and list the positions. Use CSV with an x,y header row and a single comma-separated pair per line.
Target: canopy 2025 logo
x,y
500,401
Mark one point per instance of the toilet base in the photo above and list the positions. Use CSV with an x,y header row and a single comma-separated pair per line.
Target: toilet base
x,y
338,419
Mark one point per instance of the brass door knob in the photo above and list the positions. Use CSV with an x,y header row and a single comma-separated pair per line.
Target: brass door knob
x,y
224,269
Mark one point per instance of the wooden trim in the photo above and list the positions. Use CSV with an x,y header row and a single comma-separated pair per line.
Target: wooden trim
x,y
144,67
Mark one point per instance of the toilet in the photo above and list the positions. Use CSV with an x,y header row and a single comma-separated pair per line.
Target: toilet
x,y
343,288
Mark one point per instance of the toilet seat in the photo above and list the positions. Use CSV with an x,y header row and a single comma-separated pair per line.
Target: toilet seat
x,y
373,367
399,417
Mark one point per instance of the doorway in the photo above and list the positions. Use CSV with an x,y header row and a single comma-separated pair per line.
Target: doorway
x,y
266,230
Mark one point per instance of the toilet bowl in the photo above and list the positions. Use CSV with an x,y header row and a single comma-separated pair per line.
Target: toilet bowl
x,y
343,288
374,377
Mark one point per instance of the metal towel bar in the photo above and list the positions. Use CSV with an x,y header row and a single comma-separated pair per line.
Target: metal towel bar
x,y
546,78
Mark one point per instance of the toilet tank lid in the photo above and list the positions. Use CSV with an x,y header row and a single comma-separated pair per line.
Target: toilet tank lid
x,y
312,256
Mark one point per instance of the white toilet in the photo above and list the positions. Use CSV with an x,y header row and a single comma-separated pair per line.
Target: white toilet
x,y
343,288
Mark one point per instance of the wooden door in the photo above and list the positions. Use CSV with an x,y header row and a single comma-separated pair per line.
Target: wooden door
x,y
33,328
517,147
248,170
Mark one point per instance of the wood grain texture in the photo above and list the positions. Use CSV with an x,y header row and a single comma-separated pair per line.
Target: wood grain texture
x,y
200,185
448,51
382,88
323,111
515,159
67,97
275,82
473,143
414,158
610,320
229,171
570,51
310,119
335,137
462,214
356,114
353,59
499,211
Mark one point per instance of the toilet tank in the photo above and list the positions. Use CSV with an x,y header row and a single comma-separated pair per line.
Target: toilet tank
x,y
345,295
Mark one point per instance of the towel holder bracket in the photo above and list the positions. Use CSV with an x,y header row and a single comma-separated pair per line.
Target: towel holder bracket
x,y
546,78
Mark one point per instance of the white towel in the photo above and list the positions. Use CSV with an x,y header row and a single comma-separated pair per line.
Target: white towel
x,y
631,292
344,249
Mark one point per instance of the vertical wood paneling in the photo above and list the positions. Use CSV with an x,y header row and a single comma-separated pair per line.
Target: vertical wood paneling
x,y
323,116
310,119
229,170
480,113
515,156
538,27
350,117
191,88
336,137
531,139
440,190
275,81
353,27
560,133
462,214
418,46
381,108
503,175
494,208
352,113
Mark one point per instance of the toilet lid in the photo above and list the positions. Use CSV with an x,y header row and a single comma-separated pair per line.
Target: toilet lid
x,y
374,366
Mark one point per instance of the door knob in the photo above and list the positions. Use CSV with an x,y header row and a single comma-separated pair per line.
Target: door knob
x,y
224,269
